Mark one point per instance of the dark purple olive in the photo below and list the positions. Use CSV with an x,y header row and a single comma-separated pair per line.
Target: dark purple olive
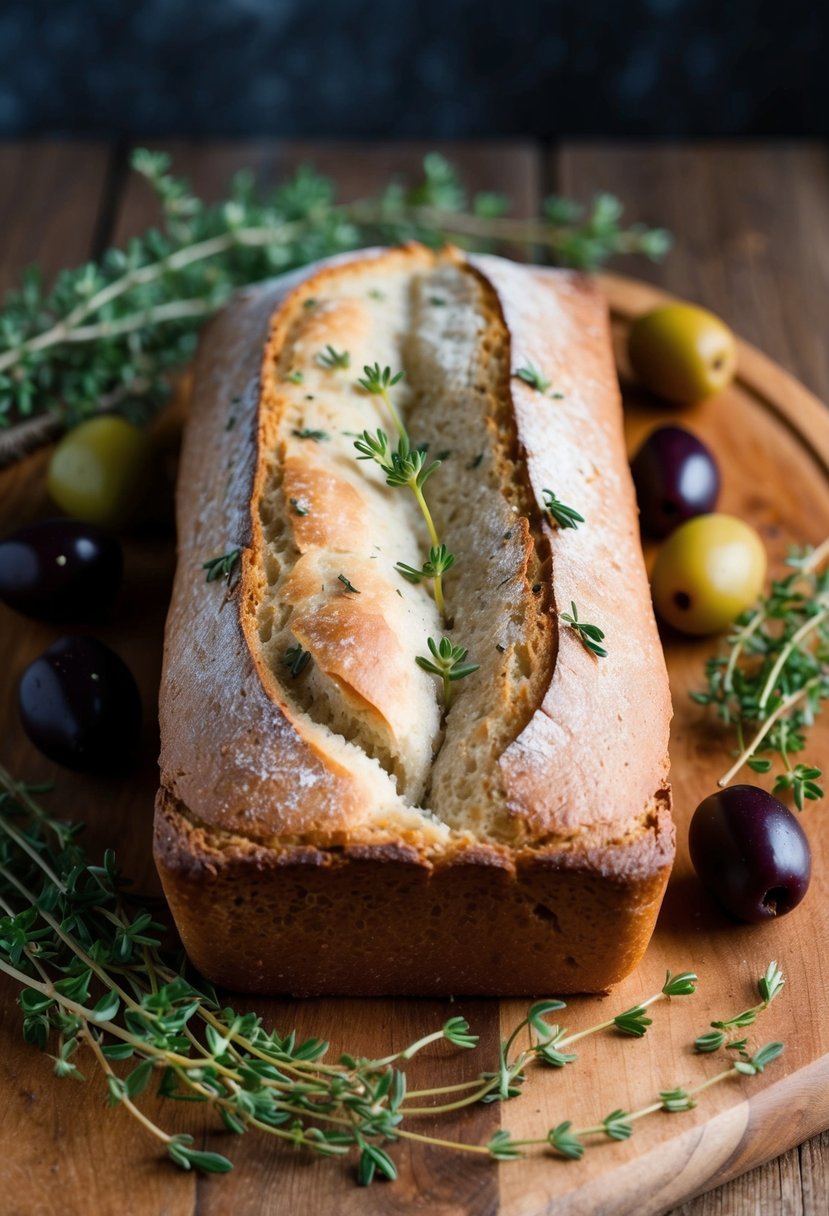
x,y
80,705
676,478
751,852
60,570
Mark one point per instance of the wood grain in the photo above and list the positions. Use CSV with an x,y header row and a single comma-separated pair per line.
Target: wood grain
x,y
771,478
750,229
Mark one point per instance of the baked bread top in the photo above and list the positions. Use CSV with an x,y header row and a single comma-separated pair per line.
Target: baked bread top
x,y
545,743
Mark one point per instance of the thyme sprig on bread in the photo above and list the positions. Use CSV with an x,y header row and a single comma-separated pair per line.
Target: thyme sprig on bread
x,y
107,334
410,467
98,991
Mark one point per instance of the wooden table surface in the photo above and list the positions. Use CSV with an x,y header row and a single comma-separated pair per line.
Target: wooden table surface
x,y
751,224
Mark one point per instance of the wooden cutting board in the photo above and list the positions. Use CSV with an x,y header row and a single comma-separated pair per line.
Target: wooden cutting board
x,y
64,1151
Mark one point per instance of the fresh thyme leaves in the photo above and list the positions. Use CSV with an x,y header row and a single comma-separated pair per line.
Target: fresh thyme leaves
x,y
768,986
309,303
563,516
299,506
569,1142
634,1022
308,432
295,377
296,659
92,976
410,467
331,358
617,1125
589,635
447,662
674,1100
774,677
377,381
532,376
225,567
108,333
349,586
440,560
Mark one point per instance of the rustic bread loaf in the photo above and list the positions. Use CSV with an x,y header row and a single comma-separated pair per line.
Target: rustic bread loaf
x,y
323,826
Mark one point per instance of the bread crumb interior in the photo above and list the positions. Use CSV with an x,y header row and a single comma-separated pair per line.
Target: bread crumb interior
x,y
332,531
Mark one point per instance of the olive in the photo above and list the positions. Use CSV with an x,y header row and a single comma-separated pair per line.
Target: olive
x,y
682,352
99,471
80,705
676,478
707,572
751,852
60,570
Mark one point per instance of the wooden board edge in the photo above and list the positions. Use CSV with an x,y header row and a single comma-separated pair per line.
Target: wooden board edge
x,y
776,389
745,1136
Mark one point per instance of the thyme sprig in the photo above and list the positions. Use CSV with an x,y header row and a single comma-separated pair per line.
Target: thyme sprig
x,y
447,662
568,1142
108,333
561,515
439,561
409,467
771,683
378,383
296,659
331,358
536,379
590,636
769,986
93,979
226,566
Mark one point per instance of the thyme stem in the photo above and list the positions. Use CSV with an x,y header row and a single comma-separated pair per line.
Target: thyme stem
x,y
783,708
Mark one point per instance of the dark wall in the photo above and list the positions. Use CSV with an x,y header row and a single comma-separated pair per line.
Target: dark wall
x,y
414,67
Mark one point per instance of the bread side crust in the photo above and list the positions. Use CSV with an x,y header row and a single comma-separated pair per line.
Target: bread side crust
x,y
372,920
574,445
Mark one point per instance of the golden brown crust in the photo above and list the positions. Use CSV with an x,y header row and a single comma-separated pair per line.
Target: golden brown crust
x,y
260,821
372,920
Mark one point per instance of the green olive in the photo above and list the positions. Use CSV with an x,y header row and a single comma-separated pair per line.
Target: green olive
x,y
707,572
682,352
100,470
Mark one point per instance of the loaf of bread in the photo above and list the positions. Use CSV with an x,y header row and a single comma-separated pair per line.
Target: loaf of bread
x,y
324,825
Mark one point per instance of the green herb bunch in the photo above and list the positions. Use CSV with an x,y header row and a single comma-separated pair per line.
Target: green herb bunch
x,y
108,333
771,682
97,989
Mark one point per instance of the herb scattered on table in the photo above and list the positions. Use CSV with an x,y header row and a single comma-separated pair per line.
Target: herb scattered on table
x,y
108,334
774,676
769,986
97,989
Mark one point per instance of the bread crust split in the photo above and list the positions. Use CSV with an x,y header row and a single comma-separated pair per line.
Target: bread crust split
x,y
330,831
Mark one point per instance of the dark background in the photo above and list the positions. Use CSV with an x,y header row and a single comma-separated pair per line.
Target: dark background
x,y
443,68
